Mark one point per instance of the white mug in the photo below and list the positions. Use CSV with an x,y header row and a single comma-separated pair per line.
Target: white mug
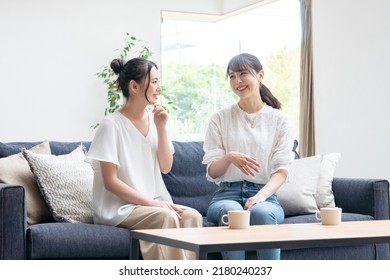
x,y
329,215
237,219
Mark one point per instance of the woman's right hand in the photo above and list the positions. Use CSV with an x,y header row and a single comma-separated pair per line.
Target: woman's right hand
x,y
247,164
165,204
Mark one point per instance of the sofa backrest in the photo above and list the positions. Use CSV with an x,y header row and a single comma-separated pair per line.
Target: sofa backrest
x,y
61,148
56,147
11,148
187,181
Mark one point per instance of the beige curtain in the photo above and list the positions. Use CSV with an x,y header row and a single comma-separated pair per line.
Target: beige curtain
x,y
306,118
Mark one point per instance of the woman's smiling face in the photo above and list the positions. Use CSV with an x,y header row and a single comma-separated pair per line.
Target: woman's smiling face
x,y
154,88
245,81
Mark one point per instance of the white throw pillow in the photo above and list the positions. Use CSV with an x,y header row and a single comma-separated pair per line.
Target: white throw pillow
x,y
65,182
324,195
297,195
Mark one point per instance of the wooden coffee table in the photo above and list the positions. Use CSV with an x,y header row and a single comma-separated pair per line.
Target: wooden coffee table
x,y
216,239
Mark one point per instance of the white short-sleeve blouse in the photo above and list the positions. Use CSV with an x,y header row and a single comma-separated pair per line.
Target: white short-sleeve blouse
x,y
118,141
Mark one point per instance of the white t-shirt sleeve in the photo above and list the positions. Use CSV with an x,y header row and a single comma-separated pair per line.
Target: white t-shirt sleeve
x,y
104,146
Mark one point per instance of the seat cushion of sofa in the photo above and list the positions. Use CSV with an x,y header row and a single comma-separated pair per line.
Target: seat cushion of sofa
x,y
77,241
367,252
310,218
362,252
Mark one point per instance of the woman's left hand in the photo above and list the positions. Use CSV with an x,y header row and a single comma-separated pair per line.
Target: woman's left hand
x,y
165,204
160,116
276,181
258,198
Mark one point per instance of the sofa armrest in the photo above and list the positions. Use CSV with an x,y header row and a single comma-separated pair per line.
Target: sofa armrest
x,y
362,196
12,222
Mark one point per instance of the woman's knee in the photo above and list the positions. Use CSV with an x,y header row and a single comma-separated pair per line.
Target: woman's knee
x,y
168,218
266,213
226,205
217,209
191,218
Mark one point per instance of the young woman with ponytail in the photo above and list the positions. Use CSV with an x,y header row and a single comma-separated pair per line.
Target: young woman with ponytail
x,y
248,149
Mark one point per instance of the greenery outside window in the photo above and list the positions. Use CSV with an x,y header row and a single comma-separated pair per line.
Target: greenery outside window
x,y
195,55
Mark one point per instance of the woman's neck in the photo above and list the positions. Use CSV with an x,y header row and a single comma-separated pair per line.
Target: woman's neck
x,y
251,105
133,111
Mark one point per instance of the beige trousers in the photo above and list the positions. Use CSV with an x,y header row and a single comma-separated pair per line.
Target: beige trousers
x,y
146,217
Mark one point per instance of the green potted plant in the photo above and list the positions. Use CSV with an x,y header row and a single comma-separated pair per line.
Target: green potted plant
x,y
133,47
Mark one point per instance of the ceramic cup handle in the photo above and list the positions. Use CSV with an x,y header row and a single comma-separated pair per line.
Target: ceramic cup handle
x,y
223,219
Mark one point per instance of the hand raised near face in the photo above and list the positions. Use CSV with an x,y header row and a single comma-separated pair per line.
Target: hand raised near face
x,y
160,115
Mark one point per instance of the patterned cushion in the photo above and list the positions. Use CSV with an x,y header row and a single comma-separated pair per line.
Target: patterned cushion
x,y
65,182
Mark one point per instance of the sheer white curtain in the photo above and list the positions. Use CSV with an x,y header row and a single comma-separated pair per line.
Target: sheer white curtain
x,y
306,117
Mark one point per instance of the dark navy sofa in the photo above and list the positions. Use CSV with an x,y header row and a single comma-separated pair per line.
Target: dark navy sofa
x,y
360,199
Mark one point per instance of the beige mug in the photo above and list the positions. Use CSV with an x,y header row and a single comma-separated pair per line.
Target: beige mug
x,y
237,219
329,215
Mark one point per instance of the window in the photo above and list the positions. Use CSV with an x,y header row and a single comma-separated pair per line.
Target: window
x,y
195,55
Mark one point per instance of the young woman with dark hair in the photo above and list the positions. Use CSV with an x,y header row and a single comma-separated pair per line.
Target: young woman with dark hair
x,y
248,149
128,153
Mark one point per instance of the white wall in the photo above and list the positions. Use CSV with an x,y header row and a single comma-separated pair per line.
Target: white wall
x,y
50,51
352,84
229,6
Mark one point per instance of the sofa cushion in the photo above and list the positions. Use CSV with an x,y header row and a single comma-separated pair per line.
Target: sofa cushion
x,y
187,181
77,241
324,195
297,195
65,182
304,194
14,170
365,252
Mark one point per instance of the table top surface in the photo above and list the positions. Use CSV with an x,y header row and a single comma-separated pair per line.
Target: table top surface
x,y
307,232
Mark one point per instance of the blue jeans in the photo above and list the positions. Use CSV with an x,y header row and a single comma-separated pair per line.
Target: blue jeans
x,y
233,196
